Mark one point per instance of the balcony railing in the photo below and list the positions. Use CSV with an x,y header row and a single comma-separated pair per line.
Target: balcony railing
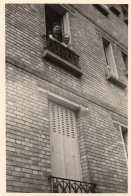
x,y
62,51
62,185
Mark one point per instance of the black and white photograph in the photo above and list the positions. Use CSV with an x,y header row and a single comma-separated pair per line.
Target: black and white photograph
x,y
66,94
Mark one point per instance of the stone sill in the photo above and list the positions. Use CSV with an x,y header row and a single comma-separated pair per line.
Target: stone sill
x,y
102,9
59,61
116,81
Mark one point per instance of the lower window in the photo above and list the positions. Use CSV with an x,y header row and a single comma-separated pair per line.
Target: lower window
x,y
124,131
65,161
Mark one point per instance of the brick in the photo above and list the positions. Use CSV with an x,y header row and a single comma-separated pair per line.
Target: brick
x,y
27,112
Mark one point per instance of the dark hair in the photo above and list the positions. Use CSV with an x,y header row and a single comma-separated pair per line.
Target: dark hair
x,y
55,23
66,34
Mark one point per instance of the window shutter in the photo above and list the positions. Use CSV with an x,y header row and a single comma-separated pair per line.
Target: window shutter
x,y
111,60
66,24
65,161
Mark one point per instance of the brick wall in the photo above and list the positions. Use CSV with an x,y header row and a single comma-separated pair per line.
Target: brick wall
x,y
28,149
111,24
105,153
28,139
28,41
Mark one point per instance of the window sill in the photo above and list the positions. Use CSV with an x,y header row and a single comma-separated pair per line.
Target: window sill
x,y
62,62
116,81
102,9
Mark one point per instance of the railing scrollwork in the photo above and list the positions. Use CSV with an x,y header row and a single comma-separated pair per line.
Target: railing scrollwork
x,y
63,52
62,185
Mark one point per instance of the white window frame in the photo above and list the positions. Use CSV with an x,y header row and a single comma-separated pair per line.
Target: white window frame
x,y
64,12
77,175
120,128
72,106
111,65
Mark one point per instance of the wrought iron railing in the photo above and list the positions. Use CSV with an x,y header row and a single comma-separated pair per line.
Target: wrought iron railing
x,y
63,52
62,185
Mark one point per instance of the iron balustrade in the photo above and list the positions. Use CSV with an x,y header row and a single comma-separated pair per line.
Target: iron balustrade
x,y
63,52
62,185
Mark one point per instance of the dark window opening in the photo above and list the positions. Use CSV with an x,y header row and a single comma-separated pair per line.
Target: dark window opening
x,y
115,10
125,13
58,44
51,17
125,58
105,44
102,8
125,138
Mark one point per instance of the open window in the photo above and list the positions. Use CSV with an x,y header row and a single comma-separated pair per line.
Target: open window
x,y
125,59
124,132
110,60
102,8
125,13
112,74
115,10
57,13
61,54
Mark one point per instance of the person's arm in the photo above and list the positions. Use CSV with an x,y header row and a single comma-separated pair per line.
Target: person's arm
x,y
51,37
64,44
70,47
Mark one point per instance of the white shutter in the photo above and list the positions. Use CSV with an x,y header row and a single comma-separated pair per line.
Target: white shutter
x,y
66,25
65,160
111,60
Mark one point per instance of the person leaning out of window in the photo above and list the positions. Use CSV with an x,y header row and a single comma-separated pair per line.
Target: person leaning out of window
x,y
55,35
66,42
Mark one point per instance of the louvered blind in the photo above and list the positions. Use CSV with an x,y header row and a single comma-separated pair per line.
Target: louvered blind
x,y
65,161
111,60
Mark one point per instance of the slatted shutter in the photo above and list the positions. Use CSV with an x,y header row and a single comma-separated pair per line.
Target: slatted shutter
x,y
65,161
66,24
111,60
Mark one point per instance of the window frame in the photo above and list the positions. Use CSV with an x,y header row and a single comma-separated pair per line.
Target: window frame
x,y
125,13
110,59
66,137
64,13
67,59
125,60
125,152
111,65
102,8
61,101
115,10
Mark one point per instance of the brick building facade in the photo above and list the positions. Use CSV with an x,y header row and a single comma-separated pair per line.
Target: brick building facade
x,y
56,103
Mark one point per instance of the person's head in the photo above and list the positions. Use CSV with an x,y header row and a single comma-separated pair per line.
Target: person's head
x,y
56,28
66,38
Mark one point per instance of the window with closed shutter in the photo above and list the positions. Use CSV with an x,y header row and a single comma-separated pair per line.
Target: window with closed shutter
x,y
111,60
65,162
